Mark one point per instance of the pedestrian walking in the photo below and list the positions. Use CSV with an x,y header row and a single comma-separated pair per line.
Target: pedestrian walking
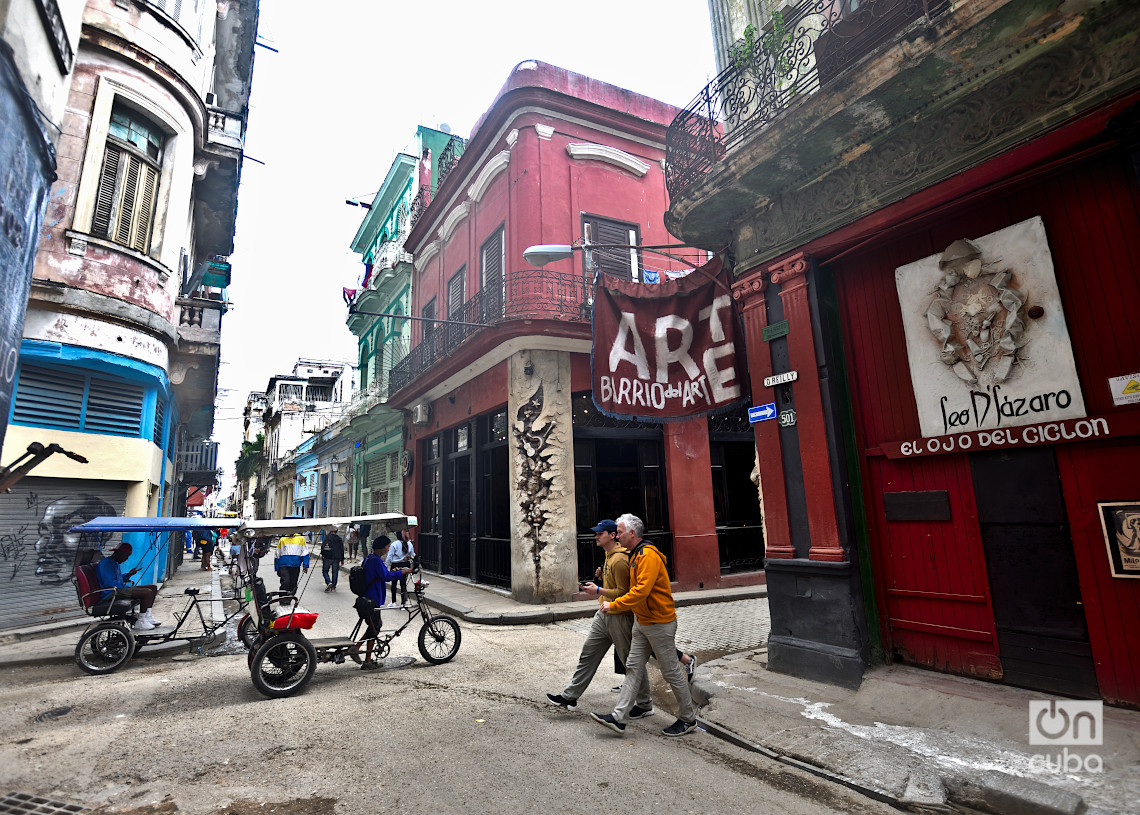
x,y
399,556
606,629
292,556
353,540
654,631
207,539
332,557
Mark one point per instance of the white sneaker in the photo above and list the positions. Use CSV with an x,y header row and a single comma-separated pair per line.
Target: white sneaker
x,y
142,624
151,619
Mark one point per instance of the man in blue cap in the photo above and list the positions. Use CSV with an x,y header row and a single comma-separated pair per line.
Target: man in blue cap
x,y
606,629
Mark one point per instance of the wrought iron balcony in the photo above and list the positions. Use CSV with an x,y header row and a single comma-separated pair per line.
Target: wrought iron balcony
x,y
448,159
419,205
528,294
803,47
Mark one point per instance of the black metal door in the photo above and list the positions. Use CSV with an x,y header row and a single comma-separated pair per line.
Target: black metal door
x,y
1043,639
457,511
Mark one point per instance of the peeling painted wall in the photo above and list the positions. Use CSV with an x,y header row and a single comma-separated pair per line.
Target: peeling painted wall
x,y
544,557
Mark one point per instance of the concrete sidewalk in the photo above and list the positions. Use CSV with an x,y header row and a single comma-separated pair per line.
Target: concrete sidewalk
x,y
920,740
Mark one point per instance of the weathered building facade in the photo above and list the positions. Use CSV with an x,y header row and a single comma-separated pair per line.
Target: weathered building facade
x,y
119,355
935,218
507,462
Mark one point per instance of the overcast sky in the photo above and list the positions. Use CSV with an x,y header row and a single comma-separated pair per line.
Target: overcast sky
x,y
350,82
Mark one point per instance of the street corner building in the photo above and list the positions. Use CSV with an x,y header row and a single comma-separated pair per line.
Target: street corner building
x,y
119,349
479,413
934,214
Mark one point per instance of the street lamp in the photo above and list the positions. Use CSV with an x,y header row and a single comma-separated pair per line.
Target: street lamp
x,y
545,253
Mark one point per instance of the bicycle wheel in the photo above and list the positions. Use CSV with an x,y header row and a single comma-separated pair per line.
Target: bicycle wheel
x,y
283,665
104,648
439,639
247,631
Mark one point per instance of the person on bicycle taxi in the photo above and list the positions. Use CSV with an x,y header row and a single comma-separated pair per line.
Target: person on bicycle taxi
x,y
110,576
376,580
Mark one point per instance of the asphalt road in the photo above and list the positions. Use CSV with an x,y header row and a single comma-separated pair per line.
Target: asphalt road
x,y
190,734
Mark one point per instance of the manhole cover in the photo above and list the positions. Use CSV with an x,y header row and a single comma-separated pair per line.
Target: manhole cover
x,y
20,803
54,713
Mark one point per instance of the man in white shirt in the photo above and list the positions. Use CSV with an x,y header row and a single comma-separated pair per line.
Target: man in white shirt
x,y
400,555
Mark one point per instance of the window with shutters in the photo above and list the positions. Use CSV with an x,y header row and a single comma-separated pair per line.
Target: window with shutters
x,y
491,275
71,399
379,501
128,181
455,292
428,313
375,471
622,263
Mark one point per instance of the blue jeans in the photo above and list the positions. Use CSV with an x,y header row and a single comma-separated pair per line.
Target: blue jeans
x,y
328,566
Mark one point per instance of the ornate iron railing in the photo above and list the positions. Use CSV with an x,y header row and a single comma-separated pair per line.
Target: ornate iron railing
x,y
799,50
419,205
528,294
448,159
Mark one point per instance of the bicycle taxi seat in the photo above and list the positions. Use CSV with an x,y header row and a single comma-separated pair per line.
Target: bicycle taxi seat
x,y
95,600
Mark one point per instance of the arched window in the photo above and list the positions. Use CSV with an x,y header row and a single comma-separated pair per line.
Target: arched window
x,y
128,181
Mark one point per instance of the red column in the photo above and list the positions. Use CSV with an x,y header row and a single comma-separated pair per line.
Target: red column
x,y
791,276
696,551
749,294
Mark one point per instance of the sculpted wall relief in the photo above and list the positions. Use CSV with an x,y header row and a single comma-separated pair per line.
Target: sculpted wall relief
x,y
986,336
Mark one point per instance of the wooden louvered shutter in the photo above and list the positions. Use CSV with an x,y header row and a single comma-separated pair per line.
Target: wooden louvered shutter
x,y
127,200
491,259
148,183
105,197
620,263
455,293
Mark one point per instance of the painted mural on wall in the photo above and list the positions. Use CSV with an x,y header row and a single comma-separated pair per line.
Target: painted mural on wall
x,y
37,547
986,335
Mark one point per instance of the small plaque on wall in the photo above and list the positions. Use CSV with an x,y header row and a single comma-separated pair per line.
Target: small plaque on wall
x,y
927,505
1120,522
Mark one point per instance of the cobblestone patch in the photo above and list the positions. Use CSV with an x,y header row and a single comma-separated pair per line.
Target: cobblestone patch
x,y
739,625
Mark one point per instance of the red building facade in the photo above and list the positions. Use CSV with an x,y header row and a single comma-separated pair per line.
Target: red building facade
x,y
513,463
988,537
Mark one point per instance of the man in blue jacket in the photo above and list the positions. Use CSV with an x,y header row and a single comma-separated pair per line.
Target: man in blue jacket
x,y
110,576
376,580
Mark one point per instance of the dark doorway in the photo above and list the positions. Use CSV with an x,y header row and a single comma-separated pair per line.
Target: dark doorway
x,y
1043,639
457,521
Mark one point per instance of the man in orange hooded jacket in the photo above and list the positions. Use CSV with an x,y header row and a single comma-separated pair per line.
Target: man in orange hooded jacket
x,y
654,630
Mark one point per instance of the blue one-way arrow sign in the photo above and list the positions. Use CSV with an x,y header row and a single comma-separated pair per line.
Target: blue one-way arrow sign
x,y
762,413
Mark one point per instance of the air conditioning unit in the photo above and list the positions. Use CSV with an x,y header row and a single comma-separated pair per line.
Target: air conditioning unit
x,y
421,413
211,100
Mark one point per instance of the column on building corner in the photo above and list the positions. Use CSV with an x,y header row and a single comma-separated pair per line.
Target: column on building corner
x,y
791,276
544,551
749,295
696,549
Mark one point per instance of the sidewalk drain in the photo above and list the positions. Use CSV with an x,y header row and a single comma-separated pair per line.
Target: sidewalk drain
x,y
20,803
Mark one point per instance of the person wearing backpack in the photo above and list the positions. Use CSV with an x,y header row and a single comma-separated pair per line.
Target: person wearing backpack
x,y
332,557
368,604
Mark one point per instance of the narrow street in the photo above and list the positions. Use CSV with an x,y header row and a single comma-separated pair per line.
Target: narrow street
x,y
190,734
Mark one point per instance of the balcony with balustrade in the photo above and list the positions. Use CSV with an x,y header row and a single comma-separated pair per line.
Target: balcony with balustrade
x,y
197,463
527,301
835,109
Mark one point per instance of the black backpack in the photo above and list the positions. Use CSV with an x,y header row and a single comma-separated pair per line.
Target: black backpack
x,y
356,582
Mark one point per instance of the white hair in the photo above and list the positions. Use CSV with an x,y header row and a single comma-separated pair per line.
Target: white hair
x,y
632,522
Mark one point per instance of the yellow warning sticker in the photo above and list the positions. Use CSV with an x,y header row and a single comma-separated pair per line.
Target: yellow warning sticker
x,y
1132,387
